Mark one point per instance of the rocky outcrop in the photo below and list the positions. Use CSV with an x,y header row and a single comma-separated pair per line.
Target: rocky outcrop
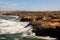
x,y
44,23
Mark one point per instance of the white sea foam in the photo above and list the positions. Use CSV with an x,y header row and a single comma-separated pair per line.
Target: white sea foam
x,y
12,26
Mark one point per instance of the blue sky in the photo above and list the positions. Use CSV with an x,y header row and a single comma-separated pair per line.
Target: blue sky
x,y
30,5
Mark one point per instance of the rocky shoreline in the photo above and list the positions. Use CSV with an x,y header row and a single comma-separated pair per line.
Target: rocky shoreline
x,y
43,24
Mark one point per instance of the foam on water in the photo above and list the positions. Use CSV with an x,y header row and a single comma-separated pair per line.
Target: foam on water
x,y
12,26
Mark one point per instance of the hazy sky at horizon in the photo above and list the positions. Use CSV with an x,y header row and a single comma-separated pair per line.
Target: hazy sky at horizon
x,y
30,5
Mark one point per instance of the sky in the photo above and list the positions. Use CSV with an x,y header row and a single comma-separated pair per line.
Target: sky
x,y
30,5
